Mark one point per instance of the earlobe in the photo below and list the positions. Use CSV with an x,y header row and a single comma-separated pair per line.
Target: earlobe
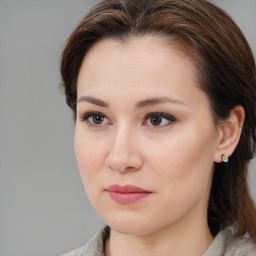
x,y
229,134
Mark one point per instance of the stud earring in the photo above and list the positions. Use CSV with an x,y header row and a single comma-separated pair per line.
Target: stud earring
x,y
224,158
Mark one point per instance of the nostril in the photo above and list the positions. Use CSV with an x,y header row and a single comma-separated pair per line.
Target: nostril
x,y
123,157
110,168
122,168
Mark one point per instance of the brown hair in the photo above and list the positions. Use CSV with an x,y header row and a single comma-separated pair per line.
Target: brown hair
x,y
227,75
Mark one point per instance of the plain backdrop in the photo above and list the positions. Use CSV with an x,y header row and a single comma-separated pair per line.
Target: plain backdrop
x,y
43,208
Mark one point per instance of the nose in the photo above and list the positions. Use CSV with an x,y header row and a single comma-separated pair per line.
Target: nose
x,y
124,155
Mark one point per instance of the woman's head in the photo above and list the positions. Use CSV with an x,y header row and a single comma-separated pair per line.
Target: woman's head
x,y
136,112
223,70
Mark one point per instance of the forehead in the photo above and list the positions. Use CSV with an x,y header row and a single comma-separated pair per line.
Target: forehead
x,y
125,73
141,58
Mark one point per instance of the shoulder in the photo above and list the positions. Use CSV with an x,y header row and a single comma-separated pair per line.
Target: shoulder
x,y
94,247
77,252
239,246
227,244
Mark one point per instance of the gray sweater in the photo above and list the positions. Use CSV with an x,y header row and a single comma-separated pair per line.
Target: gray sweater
x,y
224,244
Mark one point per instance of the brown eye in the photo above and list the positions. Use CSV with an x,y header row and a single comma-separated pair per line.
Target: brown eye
x,y
98,119
156,120
95,119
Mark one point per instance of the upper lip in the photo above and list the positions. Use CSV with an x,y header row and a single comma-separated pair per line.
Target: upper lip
x,y
126,189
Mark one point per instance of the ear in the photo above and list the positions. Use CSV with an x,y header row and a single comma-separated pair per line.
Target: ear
x,y
229,133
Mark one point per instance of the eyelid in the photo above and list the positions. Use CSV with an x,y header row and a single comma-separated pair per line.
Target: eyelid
x,y
168,117
162,114
86,116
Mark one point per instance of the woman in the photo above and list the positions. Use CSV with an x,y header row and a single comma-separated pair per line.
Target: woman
x,y
163,95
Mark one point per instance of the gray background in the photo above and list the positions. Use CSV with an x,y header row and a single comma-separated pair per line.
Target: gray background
x,y
43,208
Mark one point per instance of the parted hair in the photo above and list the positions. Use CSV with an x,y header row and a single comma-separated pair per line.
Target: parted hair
x,y
226,73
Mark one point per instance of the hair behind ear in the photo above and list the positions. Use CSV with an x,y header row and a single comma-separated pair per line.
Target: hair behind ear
x,y
230,201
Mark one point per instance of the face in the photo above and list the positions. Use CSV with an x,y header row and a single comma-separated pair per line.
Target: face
x,y
145,140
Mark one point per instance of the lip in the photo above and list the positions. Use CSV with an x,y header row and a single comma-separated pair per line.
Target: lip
x,y
127,194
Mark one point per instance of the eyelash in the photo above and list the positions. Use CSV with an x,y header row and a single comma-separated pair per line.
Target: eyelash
x,y
87,116
162,115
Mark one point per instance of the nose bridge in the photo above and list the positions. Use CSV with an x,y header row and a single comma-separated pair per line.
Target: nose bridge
x,y
123,137
123,154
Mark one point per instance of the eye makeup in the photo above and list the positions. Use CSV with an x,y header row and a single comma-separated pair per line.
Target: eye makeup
x,y
158,119
96,119
154,119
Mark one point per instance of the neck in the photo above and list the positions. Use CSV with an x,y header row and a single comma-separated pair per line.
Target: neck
x,y
181,239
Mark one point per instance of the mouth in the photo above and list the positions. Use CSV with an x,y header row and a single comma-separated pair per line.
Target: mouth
x,y
128,194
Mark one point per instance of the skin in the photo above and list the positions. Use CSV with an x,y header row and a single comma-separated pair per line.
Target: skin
x,y
173,159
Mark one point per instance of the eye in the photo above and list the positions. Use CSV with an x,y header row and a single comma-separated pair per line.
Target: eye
x,y
158,119
95,119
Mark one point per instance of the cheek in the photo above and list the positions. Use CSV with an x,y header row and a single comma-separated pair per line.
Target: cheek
x,y
90,158
182,172
181,162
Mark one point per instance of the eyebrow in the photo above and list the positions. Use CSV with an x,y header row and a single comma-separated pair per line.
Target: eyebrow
x,y
140,104
94,101
156,101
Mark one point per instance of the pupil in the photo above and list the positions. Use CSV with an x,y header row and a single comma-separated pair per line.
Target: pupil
x,y
156,120
97,119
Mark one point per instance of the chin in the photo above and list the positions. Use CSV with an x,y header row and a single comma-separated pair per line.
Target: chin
x,y
131,225
130,229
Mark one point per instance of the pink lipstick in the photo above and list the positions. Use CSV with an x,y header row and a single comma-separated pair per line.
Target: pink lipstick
x,y
127,194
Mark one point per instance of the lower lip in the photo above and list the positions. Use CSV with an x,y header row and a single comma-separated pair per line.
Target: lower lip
x,y
127,198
